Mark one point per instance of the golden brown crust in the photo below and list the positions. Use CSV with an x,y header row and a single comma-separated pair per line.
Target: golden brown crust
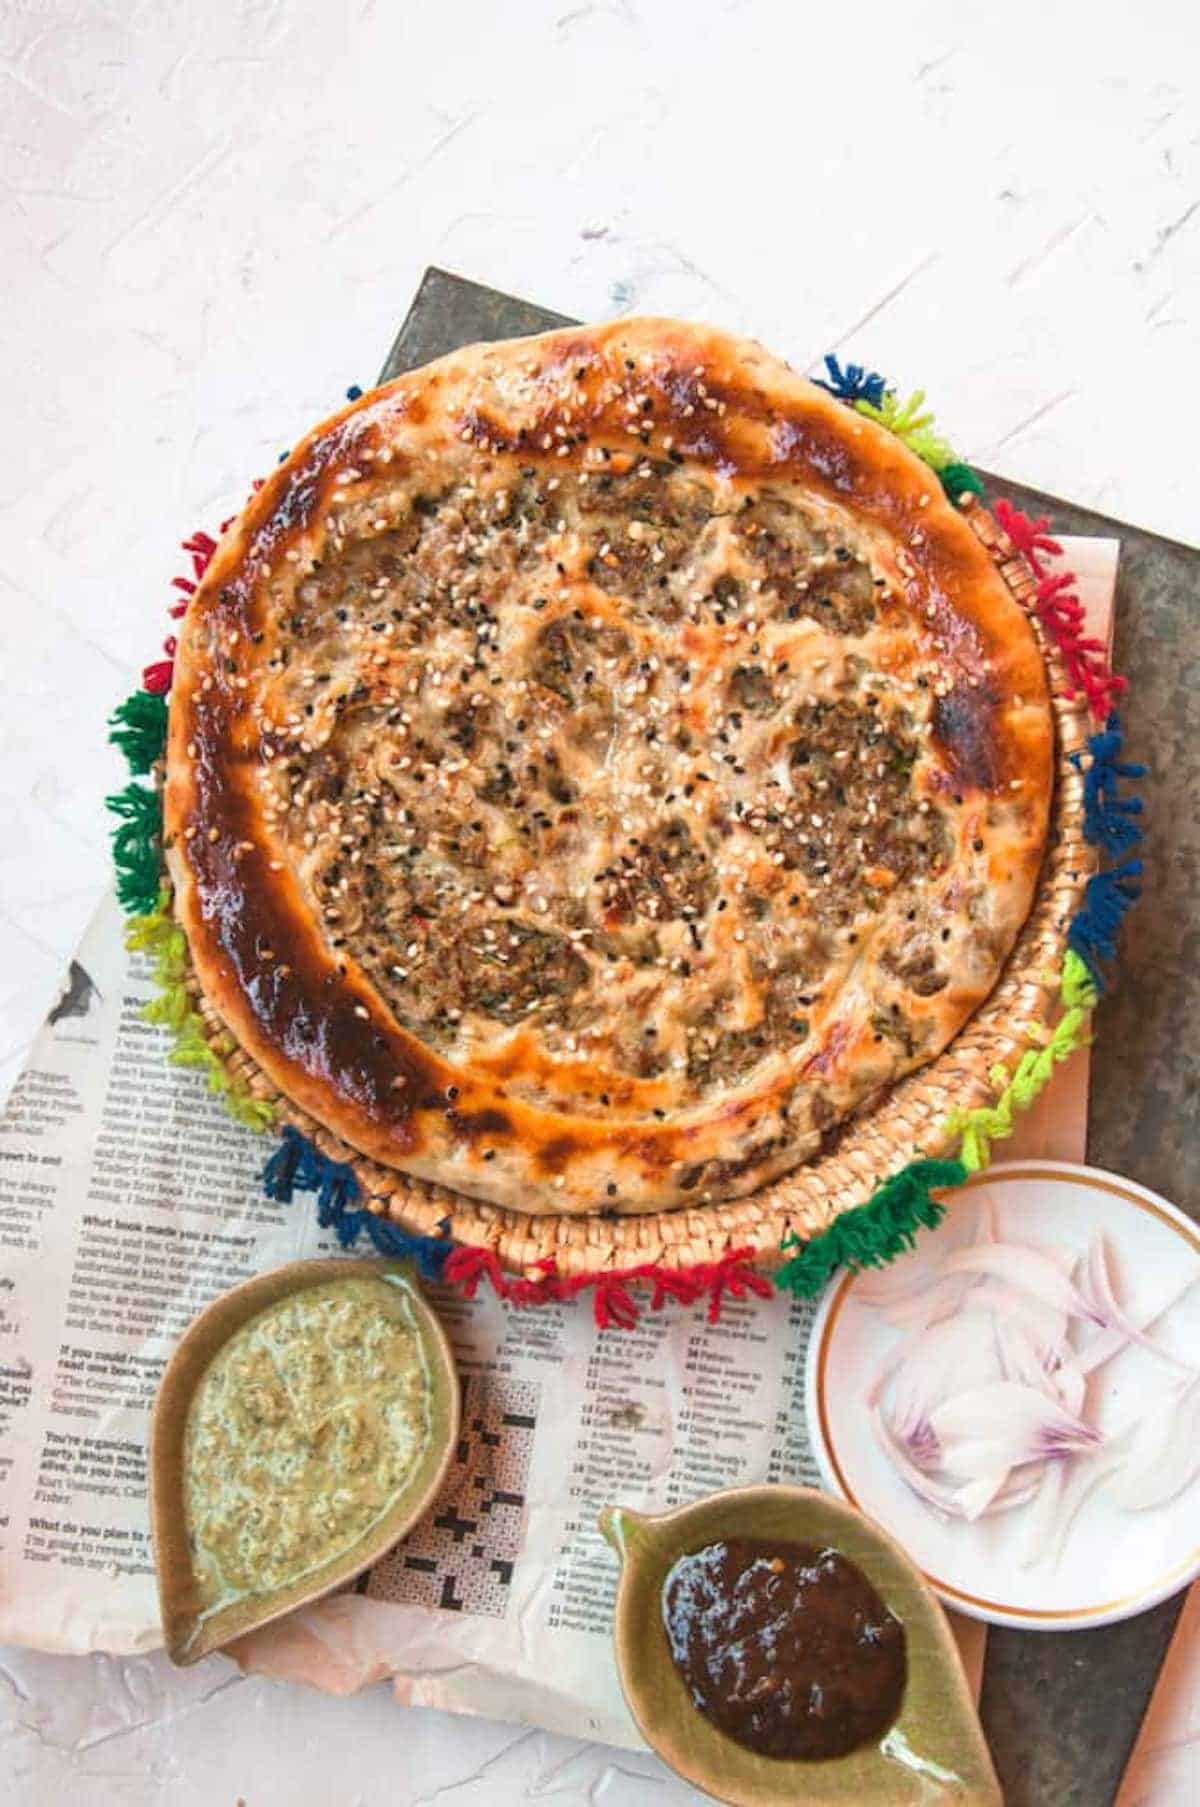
x,y
519,1107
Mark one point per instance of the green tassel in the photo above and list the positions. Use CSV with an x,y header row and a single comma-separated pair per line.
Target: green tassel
x,y
157,934
1016,1091
139,727
137,846
873,1234
959,480
251,1112
912,422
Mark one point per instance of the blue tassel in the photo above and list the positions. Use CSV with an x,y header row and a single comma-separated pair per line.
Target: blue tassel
x,y
279,1176
1106,898
336,1190
1107,816
853,384
429,1253
299,1166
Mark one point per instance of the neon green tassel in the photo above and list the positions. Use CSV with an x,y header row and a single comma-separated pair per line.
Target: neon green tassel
x,y
873,1234
155,933
139,727
1078,986
136,847
911,422
991,1123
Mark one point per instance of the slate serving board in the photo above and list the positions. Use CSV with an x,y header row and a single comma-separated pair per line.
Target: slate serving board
x,y
1061,1709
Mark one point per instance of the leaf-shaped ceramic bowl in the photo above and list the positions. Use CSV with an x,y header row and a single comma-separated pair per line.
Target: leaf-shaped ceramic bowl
x,y
190,1632
933,1753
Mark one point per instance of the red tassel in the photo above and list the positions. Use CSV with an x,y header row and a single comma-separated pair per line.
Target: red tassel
x,y
466,1266
614,1306
735,1274
1029,537
201,546
612,1303
542,1291
673,1283
1061,613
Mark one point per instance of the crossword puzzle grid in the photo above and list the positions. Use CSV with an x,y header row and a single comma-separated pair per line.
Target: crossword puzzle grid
x,y
461,1557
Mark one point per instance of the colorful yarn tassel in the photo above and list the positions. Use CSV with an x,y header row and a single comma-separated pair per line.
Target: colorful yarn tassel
x,y
910,421
873,1234
156,934
138,726
1110,821
299,1166
989,1123
913,424
1030,537
157,678
137,847
853,383
1061,613
959,480
1107,898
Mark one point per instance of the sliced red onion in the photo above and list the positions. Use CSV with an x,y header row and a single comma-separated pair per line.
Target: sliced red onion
x,y
1080,1478
1021,1356
1004,1425
943,1497
1070,1384
1029,1271
905,1278
934,1493
1044,1324
985,1405
1107,1343
936,1302
960,1346
1163,1452
975,1497
1109,1313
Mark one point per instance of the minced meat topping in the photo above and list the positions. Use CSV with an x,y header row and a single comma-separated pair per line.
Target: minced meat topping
x,y
586,753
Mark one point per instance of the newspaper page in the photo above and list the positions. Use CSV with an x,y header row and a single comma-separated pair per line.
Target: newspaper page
x,y
128,1200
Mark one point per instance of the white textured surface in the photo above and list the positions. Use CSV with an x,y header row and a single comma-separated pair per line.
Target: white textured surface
x,y
213,219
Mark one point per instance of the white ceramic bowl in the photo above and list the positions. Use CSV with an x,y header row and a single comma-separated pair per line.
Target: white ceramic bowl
x,y
1114,1563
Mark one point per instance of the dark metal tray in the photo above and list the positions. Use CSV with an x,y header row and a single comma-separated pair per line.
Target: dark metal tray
x,y
1061,1709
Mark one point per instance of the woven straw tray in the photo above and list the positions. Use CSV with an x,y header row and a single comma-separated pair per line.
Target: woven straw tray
x,y
909,1122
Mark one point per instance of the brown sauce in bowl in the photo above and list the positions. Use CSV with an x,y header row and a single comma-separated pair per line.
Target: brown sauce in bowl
x,y
785,1647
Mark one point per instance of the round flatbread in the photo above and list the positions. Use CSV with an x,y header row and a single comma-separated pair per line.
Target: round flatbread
x,y
598,765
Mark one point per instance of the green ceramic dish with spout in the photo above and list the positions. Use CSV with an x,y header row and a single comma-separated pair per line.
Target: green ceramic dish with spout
x,y
303,1426
934,1752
